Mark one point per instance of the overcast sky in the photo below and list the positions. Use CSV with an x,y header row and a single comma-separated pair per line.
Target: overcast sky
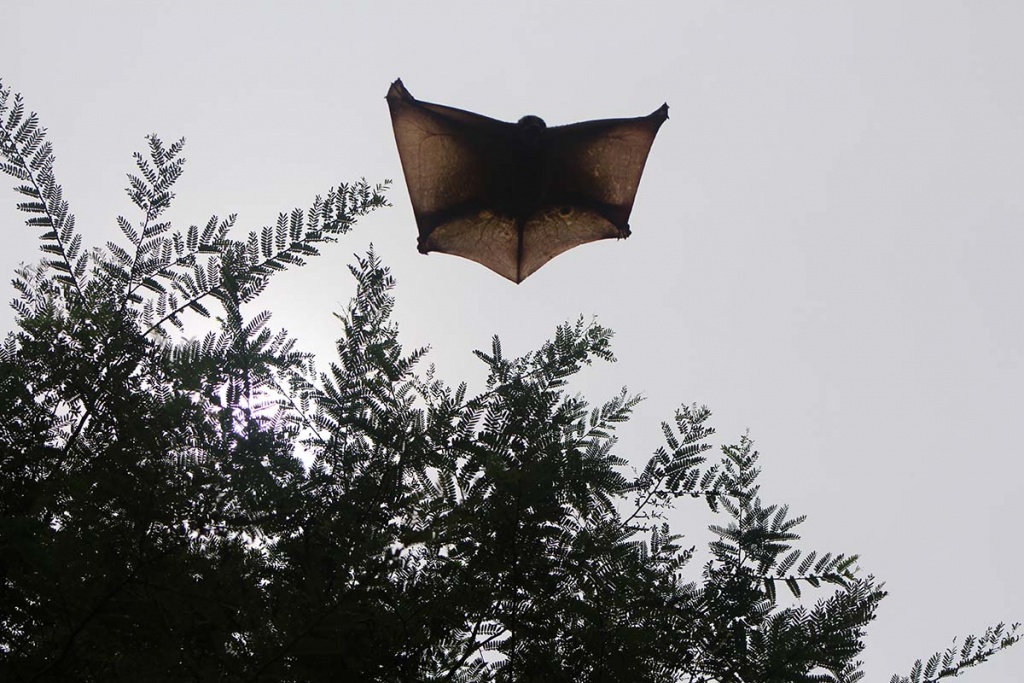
x,y
826,243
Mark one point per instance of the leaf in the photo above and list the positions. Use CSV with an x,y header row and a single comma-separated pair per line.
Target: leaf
x,y
15,171
152,285
128,230
55,264
28,190
32,207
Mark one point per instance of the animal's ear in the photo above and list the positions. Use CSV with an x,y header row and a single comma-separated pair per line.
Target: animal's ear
x,y
601,162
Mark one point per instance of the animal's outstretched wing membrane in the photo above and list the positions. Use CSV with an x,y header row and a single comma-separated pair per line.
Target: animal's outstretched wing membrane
x,y
513,196
600,163
443,152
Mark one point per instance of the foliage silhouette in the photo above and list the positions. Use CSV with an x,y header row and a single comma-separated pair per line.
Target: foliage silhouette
x,y
159,524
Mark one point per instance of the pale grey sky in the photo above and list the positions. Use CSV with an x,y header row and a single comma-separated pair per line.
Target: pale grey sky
x,y
826,244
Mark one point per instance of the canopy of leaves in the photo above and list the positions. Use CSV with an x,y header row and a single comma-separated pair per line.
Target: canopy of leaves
x,y
214,508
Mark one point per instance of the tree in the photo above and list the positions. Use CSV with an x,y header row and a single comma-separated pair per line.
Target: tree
x,y
215,509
